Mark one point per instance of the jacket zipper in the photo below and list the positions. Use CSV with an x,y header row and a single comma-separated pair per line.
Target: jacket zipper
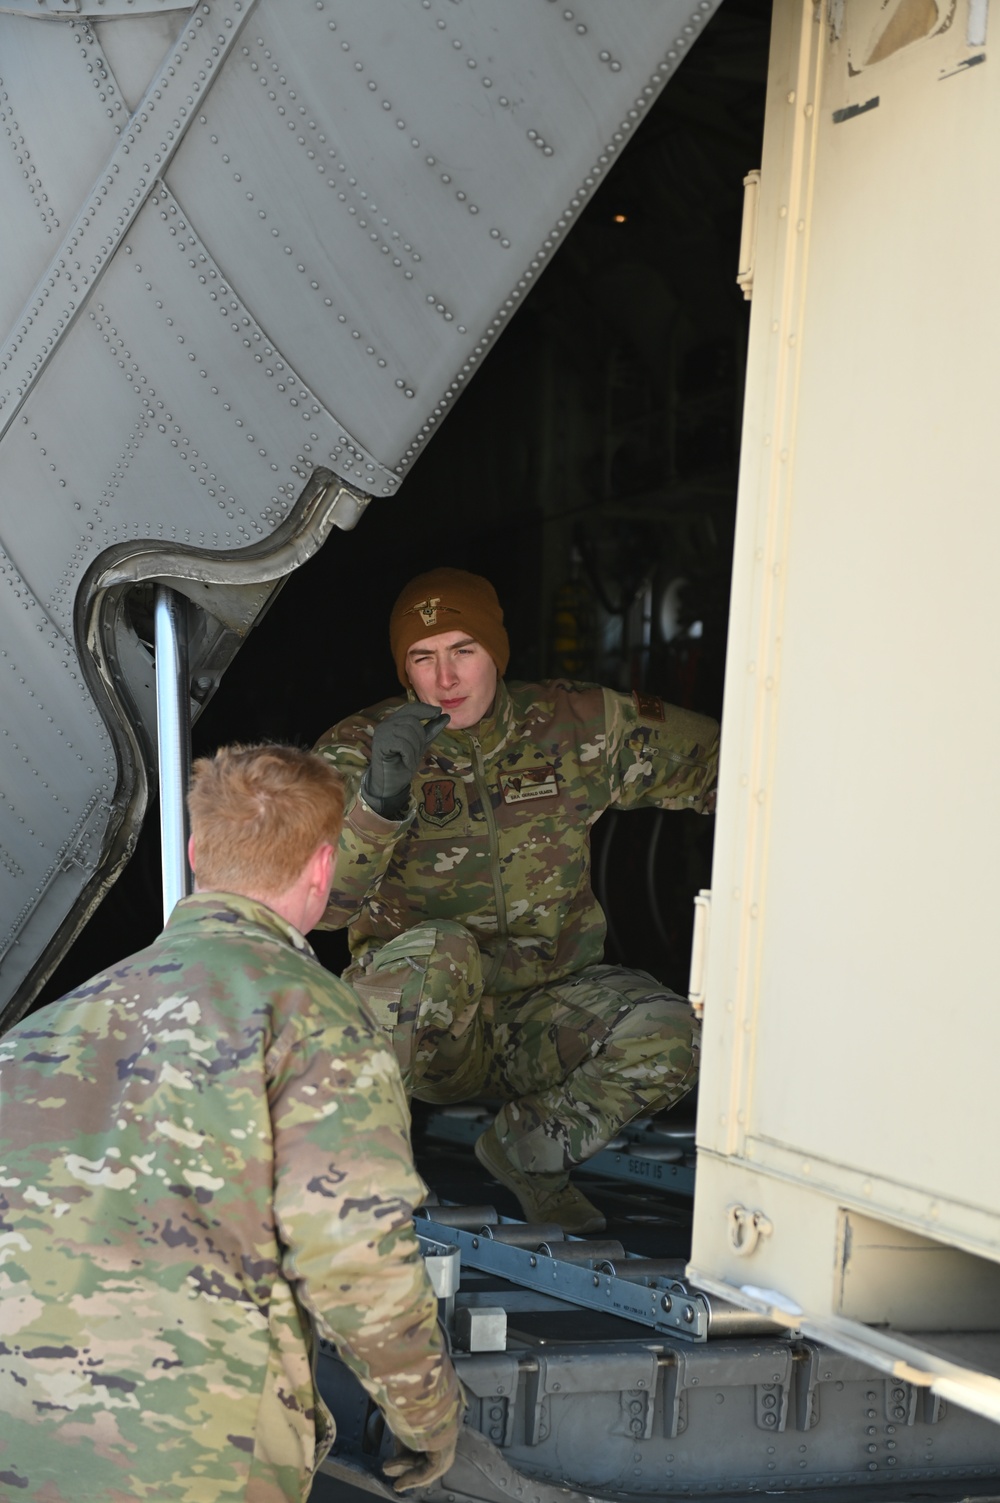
x,y
479,774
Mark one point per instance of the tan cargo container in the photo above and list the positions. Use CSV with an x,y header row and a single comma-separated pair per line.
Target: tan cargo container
x,y
847,1176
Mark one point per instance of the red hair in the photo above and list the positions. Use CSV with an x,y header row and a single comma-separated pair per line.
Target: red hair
x,y
257,815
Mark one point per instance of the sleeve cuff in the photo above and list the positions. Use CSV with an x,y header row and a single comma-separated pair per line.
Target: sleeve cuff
x,y
363,818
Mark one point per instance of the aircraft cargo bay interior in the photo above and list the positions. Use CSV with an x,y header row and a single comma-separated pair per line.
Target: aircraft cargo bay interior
x,y
616,452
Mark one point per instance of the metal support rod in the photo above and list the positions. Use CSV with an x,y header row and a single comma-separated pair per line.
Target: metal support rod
x,y
173,742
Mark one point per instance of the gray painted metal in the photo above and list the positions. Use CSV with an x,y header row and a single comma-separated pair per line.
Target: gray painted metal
x,y
97,8
480,1473
658,1415
253,250
661,1418
526,1254
642,1167
663,1305
606,1412
612,1415
643,1153
173,742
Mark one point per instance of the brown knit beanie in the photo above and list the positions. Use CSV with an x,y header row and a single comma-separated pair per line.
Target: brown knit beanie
x,y
447,600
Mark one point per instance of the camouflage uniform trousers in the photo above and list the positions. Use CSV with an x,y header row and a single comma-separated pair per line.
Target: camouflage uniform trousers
x,y
573,1060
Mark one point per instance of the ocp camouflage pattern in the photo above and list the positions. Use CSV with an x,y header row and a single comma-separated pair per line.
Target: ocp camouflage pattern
x,y
202,1151
497,837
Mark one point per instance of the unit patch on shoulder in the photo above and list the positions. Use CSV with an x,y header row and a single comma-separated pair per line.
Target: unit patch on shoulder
x,y
528,783
649,706
439,803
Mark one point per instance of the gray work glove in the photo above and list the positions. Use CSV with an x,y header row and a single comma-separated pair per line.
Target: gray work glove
x,y
421,1468
398,746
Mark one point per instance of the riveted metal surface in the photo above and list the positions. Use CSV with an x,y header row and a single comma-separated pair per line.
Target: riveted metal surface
x,y
90,7
246,243
50,800
668,1419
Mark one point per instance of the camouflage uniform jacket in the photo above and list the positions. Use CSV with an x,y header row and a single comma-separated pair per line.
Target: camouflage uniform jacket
x,y
498,833
202,1151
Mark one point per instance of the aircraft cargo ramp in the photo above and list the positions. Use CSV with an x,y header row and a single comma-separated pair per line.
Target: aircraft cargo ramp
x,y
252,253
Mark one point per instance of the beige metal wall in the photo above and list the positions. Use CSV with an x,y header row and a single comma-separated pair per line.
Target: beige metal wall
x,y
849,1106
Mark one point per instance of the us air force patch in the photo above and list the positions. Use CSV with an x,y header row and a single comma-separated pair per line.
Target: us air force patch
x,y
529,783
439,803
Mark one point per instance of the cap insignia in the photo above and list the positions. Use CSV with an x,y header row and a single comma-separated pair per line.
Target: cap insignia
x,y
428,610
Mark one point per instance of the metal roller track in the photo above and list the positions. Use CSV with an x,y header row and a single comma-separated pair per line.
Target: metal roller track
x,y
644,1154
661,1305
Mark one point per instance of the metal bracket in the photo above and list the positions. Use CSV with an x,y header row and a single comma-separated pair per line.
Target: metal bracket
x,y
769,1368
559,1374
748,234
771,1406
699,947
491,1378
901,1401
814,1366
662,1304
443,1262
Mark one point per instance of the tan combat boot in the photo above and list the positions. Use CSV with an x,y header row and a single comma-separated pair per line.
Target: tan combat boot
x,y
543,1197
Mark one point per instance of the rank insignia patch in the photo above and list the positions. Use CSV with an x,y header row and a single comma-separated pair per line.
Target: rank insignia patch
x,y
439,802
649,706
529,783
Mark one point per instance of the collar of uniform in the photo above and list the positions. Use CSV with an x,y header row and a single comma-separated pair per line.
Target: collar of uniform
x,y
492,732
221,912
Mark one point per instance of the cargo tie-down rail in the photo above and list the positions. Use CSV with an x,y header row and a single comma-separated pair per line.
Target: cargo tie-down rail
x,y
596,1274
